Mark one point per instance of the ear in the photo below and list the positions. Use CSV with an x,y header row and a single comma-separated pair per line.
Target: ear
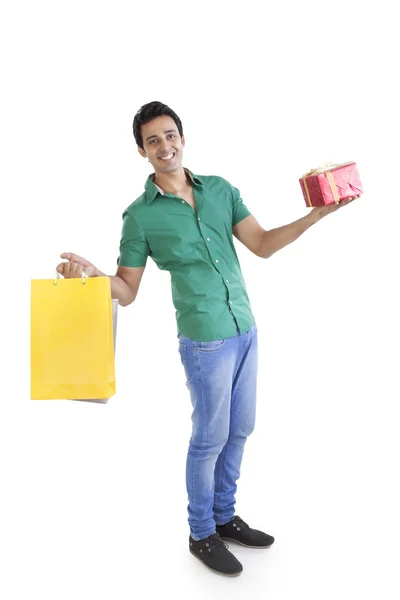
x,y
142,152
183,141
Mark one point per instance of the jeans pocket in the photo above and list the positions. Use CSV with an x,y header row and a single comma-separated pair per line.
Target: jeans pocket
x,y
209,346
184,361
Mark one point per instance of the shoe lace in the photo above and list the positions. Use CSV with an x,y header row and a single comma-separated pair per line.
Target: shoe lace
x,y
215,540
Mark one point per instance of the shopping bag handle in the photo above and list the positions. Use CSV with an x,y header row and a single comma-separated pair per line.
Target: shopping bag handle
x,y
84,274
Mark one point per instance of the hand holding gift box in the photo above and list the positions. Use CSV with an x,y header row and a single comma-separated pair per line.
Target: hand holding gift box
x,y
331,184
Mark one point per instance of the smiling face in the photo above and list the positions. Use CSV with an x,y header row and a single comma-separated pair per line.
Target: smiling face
x,y
162,144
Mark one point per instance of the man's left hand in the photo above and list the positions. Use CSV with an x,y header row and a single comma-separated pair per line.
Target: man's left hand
x,y
322,211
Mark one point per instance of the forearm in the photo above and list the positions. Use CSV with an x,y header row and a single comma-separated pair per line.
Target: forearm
x,y
120,290
275,239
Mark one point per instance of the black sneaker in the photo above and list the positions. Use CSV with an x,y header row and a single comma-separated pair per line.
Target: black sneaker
x,y
238,531
215,554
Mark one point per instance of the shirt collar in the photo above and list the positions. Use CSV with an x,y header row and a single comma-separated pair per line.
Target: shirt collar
x,y
152,188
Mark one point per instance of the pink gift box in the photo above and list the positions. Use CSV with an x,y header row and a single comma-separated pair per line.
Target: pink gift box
x,y
330,184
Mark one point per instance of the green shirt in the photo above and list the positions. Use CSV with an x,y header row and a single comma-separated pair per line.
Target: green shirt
x,y
208,289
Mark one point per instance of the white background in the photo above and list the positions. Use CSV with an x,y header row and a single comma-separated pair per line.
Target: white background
x,y
93,500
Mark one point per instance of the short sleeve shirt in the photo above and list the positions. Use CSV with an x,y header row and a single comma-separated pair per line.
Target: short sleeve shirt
x,y
196,247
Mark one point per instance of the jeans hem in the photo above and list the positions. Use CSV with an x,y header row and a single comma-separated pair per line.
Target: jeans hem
x,y
202,537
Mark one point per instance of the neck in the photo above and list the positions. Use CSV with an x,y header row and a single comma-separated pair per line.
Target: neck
x,y
172,182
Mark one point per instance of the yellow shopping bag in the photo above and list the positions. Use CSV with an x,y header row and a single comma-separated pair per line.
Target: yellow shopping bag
x,y
72,345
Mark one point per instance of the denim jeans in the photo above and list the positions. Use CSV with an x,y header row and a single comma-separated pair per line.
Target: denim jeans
x,y
221,377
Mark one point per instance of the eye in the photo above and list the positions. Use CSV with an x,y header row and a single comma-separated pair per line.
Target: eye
x,y
171,135
151,141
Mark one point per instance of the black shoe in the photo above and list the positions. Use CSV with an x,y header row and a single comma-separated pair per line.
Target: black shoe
x,y
215,554
238,531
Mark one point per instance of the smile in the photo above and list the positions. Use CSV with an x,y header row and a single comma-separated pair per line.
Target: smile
x,y
168,157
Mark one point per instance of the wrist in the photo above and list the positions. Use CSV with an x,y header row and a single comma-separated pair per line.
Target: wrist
x,y
314,216
93,272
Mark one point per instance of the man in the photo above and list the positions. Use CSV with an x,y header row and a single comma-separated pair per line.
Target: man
x,y
185,223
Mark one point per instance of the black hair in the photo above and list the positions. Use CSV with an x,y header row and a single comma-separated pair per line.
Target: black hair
x,y
151,111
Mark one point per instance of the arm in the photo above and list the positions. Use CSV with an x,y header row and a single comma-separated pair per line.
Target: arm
x,y
134,250
265,243
259,241
124,285
273,240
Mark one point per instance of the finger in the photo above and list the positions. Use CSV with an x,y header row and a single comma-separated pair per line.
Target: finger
x,y
60,268
74,258
72,269
77,269
67,269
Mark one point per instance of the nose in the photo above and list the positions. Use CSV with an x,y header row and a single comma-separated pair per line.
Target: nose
x,y
164,145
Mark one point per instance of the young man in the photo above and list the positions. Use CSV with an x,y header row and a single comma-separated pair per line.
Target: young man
x,y
185,223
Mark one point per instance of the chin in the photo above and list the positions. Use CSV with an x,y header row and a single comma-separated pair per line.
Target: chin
x,y
172,168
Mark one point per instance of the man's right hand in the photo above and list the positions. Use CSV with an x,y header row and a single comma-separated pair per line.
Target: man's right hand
x,y
75,265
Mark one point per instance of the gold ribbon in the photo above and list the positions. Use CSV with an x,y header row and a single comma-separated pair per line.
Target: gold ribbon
x,y
325,169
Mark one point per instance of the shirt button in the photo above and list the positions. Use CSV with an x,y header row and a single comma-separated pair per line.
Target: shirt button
x,y
227,281
208,239
198,218
217,260
183,202
230,301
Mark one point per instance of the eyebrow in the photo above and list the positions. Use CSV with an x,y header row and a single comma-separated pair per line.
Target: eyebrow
x,y
167,131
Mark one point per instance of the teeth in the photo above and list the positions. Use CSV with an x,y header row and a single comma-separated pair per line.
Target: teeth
x,y
167,157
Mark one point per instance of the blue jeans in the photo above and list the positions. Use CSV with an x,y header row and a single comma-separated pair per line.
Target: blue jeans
x,y
221,376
